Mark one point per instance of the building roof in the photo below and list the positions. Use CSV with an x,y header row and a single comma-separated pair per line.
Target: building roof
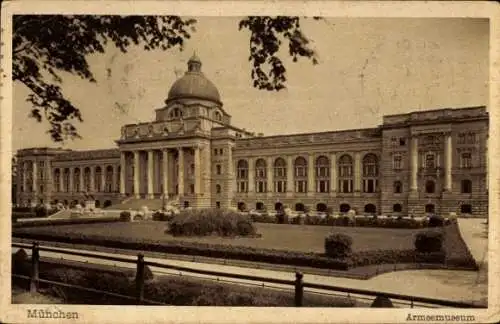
x,y
194,84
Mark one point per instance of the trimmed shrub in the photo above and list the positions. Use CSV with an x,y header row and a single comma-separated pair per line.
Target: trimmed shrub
x,y
202,222
162,216
125,216
436,221
430,241
338,245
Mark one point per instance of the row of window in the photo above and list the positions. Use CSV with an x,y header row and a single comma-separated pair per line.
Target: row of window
x,y
218,151
301,167
430,161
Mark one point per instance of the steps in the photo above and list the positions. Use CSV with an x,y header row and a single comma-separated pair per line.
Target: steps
x,y
137,204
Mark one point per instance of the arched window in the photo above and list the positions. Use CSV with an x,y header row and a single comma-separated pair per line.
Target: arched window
x,y
370,209
397,208
344,208
300,167
175,113
321,207
398,187
430,186
300,207
322,174
86,179
218,116
218,188
260,206
430,209
279,175
345,174
466,186
370,173
242,176
261,176
466,209
242,206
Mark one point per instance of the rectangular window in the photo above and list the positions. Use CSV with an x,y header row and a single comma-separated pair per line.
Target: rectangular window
x,y
369,185
345,186
261,186
301,186
397,162
466,160
242,186
323,186
430,162
215,151
280,186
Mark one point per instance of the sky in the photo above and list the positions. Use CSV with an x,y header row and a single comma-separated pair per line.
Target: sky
x,y
368,67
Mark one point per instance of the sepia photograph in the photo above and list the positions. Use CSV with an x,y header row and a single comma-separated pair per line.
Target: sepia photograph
x,y
303,160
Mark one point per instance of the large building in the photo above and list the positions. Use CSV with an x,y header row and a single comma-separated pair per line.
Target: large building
x,y
416,163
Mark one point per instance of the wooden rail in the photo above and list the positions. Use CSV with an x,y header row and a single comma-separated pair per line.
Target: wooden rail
x,y
298,283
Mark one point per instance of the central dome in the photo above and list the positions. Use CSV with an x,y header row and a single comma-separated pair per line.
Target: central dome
x,y
194,84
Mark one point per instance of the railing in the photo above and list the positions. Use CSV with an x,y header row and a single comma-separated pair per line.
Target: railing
x,y
298,284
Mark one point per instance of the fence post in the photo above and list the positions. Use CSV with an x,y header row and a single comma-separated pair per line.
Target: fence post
x,y
139,278
299,289
35,261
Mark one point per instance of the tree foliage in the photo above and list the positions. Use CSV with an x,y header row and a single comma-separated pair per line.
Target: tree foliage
x,y
45,45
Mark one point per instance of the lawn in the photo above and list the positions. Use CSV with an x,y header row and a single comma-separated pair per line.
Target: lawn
x,y
300,238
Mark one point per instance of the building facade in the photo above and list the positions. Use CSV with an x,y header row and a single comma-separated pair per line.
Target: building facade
x,y
417,163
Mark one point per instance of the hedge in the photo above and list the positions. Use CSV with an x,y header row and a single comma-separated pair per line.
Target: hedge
x,y
66,221
202,222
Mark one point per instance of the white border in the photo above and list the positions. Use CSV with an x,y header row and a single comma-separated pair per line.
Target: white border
x,y
133,314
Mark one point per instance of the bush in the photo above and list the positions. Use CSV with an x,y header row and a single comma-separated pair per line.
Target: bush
x,y
125,216
202,222
430,241
138,217
162,216
436,221
338,245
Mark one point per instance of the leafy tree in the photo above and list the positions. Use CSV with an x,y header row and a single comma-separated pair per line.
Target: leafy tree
x,y
45,45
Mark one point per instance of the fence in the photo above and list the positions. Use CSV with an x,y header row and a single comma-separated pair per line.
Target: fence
x,y
299,284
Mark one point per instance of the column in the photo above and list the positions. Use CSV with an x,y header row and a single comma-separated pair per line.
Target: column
x,y
357,172
333,172
61,178
289,175
180,180
269,174
71,181
165,173
251,175
230,169
414,163
34,177
197,170
103,178
116,179
136,174
24,174
448,162
311,178
123,170
82,187
150,173
92,179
